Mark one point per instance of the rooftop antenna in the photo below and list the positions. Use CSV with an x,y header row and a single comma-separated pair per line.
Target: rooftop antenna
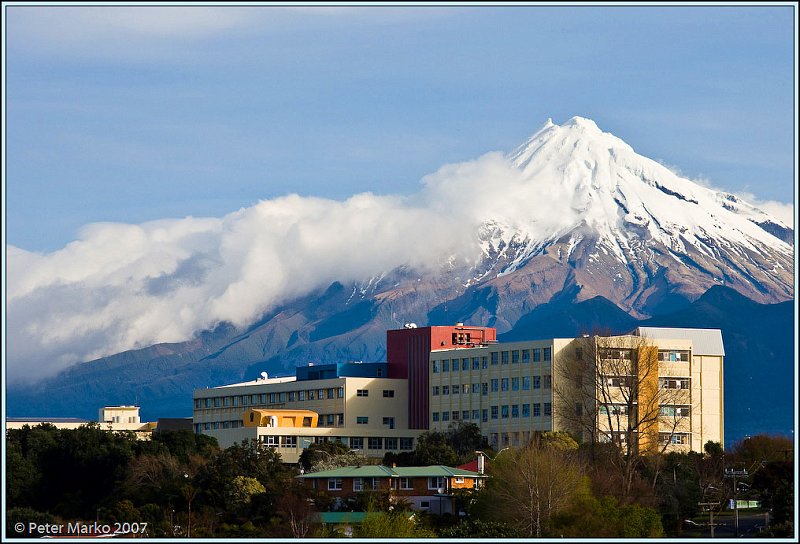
x,y
264,375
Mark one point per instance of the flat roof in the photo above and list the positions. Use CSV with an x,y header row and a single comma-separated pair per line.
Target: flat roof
x,y
704,341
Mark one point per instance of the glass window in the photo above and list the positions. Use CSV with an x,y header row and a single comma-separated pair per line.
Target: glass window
x,y
358,484
406,483
435,416
515,410
548,381
494,357
254,399
483,362
217,402
504,411
236,401
272,397
445,416
320,394
515,384
546,354
504,384
406,443
436,482
476,388
484,388
292,396
445,390
445,365
526,410
537,382
495,384
362,420
263,398
455,390
375,443
388,393
537,355
526,383
362,392
476,415
515,356
537,409
464,364
334,484
504,357
548,409
495,412
455,415
331,392
389,421
476,365
340,392
465,415
356,443
282,397
227,401
484,415
526,356
301,395
391,443
245,400
435,367
435,390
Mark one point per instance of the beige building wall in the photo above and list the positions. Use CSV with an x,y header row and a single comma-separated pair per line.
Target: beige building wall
x,y
367,414
509,415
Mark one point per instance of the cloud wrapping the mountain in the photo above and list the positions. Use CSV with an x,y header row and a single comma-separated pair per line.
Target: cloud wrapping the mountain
x,y
121,286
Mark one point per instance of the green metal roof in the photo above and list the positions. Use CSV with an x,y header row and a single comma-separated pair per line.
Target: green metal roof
x,y
342,517
380,471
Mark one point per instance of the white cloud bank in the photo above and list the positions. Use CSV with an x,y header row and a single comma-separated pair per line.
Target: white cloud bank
x,y
122,286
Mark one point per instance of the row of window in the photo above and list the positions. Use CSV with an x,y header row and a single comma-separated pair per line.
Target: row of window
x,y
523,383
673,355
495,412
674,438
355,442
280,397
361,484
497,357
674,383
207,426
674,411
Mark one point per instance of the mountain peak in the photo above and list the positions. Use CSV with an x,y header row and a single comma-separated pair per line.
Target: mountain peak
x,y
581,122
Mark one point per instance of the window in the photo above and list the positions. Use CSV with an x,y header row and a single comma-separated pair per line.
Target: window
x,y
301,395
674,356
465,415
245,400
674,383
476,388
340,420
674,411
464,364
362,420
435,367
227,401
391,443
546,354
526,383
526,356
483,362
495,412
675,438
198,403
320,394
515,356
456,389
356,443
328,420
548,409
389,421
271,440
436,482
548,381
435,416
406,483
217,402
332,393
292,396
504,384
515,384
537,355
310,393
494,358
476,415
435,390
445,390
254,399
537,409
504,357
537,382
484,389
375,443
484,415
236,401
514,410
289,442
388,393
272,397
476,364
334,484
459,479
358,484
445,365
495,384
455,415
424,504
362,393
340,392
406,443
526,410
445,416
504,411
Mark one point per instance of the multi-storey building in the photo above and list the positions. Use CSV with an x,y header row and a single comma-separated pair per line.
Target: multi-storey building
x,y
670,380
353,403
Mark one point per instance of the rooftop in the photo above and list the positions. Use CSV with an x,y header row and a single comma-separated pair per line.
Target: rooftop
x,y
380,471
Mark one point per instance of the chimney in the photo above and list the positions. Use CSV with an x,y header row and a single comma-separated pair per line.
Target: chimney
x,y
394,465
481,466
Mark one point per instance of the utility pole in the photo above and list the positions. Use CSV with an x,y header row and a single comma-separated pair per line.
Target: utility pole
x,y
710,506
733,473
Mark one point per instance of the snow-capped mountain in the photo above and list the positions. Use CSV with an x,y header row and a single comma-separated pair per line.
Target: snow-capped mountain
x,y
572,214
627,227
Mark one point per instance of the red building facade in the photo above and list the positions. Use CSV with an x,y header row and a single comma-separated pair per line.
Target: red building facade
x,y
408,354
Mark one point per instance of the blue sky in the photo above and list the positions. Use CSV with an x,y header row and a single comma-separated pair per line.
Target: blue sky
x,y
135,114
